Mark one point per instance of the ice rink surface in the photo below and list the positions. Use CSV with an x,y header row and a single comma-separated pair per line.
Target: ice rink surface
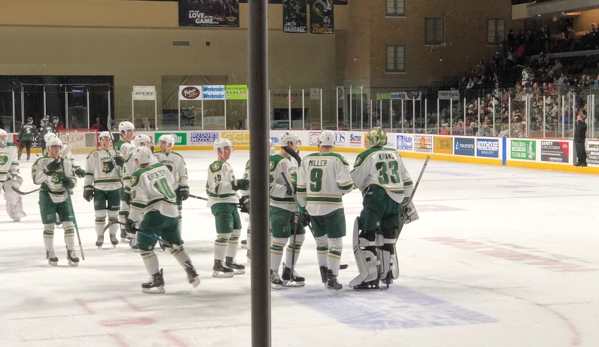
x,y
500,257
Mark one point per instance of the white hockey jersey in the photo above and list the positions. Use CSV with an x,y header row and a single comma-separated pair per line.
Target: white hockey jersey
x,y
279,166
9,165
100,170
218,184
129,168
175,162
323,179
53,184
151,190
246,175
382,167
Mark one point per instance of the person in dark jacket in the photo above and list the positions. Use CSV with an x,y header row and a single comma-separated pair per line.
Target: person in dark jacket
x,y
580,134
26,137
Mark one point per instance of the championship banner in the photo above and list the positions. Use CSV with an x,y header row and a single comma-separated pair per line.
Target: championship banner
x,y
144,92
555,151
295,16
190,92
208,13
321,17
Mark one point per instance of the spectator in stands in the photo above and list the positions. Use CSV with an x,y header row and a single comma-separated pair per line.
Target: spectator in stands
x,y
479,69
486,130
97,126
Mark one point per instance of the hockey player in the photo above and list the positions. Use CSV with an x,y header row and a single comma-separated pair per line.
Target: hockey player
x,y
56,177
130,167
175,162
283,178
127,131
103,184
45,128
9,177
323,179
154,205
26,136
385,184
221,186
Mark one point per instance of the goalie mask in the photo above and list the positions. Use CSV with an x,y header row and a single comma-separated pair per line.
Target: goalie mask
x,y
142,140
377,137
326,138
222,143
143,155
3,138
287,137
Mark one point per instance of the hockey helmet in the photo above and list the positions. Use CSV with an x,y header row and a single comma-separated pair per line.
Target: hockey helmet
x,y
222,143
143,155
45,120
168,138
142,140
49,136
326,138
377,137
29,120
287,137
53,141
3,138
55,118
126,126
104,134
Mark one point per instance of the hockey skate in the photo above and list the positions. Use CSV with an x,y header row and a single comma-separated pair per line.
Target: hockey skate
x,y
72,258
220,270
371,285
275,280
332,285
100,241
113,240
388,280
244,243
192,275
324,275
231,263
155,284
289,281
52,258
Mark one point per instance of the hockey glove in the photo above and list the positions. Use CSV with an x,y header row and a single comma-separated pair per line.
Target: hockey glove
x,y
52,167
68,183
119,161
242,183
184,191
130,226
304,218
244,204
127,197
88,193
80,172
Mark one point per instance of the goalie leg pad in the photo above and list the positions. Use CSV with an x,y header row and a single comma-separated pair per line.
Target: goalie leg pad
x,y
366,260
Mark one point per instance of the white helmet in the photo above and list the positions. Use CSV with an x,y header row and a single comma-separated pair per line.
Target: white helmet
x,y
222,143
49,136
288,136
124,126
168,138
143,155
53,141
105,134
142,140
3,137
326,138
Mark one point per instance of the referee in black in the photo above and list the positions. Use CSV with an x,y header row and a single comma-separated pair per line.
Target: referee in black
x,y
580,134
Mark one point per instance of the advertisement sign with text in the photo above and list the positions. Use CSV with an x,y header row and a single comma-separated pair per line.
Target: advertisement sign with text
x,y
180,138
203,137
190,92
487,148
236,92
237,137
214,92
443,145
523,150
593,153
555,151
423,143
463,146
340,138
144,93
355,139
404,142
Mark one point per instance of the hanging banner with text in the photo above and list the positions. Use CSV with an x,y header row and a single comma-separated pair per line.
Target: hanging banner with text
x,y
144,93
208,13
236,92
295,16
190,92
321,17
214,92
448,95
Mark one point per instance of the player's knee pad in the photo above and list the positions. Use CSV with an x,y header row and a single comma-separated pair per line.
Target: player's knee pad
x,y
336,243
68,225
235,235
49,229
176,249
223,237
113,215
100,216
277,244
322,242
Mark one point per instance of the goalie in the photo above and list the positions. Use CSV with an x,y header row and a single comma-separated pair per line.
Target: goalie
x,y
385,184
9,177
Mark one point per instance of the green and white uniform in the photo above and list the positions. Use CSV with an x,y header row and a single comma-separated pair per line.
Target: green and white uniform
x,y
176,164
53,200
124,147
9,177
282,211
101,173
322,181
222,201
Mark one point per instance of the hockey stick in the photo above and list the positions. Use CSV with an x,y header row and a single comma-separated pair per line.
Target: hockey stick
x,y
152,236
295,221
18,191
74,218
418,181
198,197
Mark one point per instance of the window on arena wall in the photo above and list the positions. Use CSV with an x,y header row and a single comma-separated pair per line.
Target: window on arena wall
x,y
495,31
395,8
434,31
396,58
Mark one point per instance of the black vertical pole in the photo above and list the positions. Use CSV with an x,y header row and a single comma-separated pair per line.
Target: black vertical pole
x,y
259,170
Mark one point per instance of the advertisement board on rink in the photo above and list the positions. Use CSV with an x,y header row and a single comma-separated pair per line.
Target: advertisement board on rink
x,y
355,139
203,137
487,148
404,142
555,151
443,145
523,150
423,143
463,146
593,153
340,138
180,138
313,138
237,137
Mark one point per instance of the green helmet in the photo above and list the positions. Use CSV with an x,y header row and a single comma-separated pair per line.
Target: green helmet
x,y
377,137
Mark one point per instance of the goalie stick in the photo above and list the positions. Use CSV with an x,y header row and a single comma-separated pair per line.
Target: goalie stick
x,y
18,191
